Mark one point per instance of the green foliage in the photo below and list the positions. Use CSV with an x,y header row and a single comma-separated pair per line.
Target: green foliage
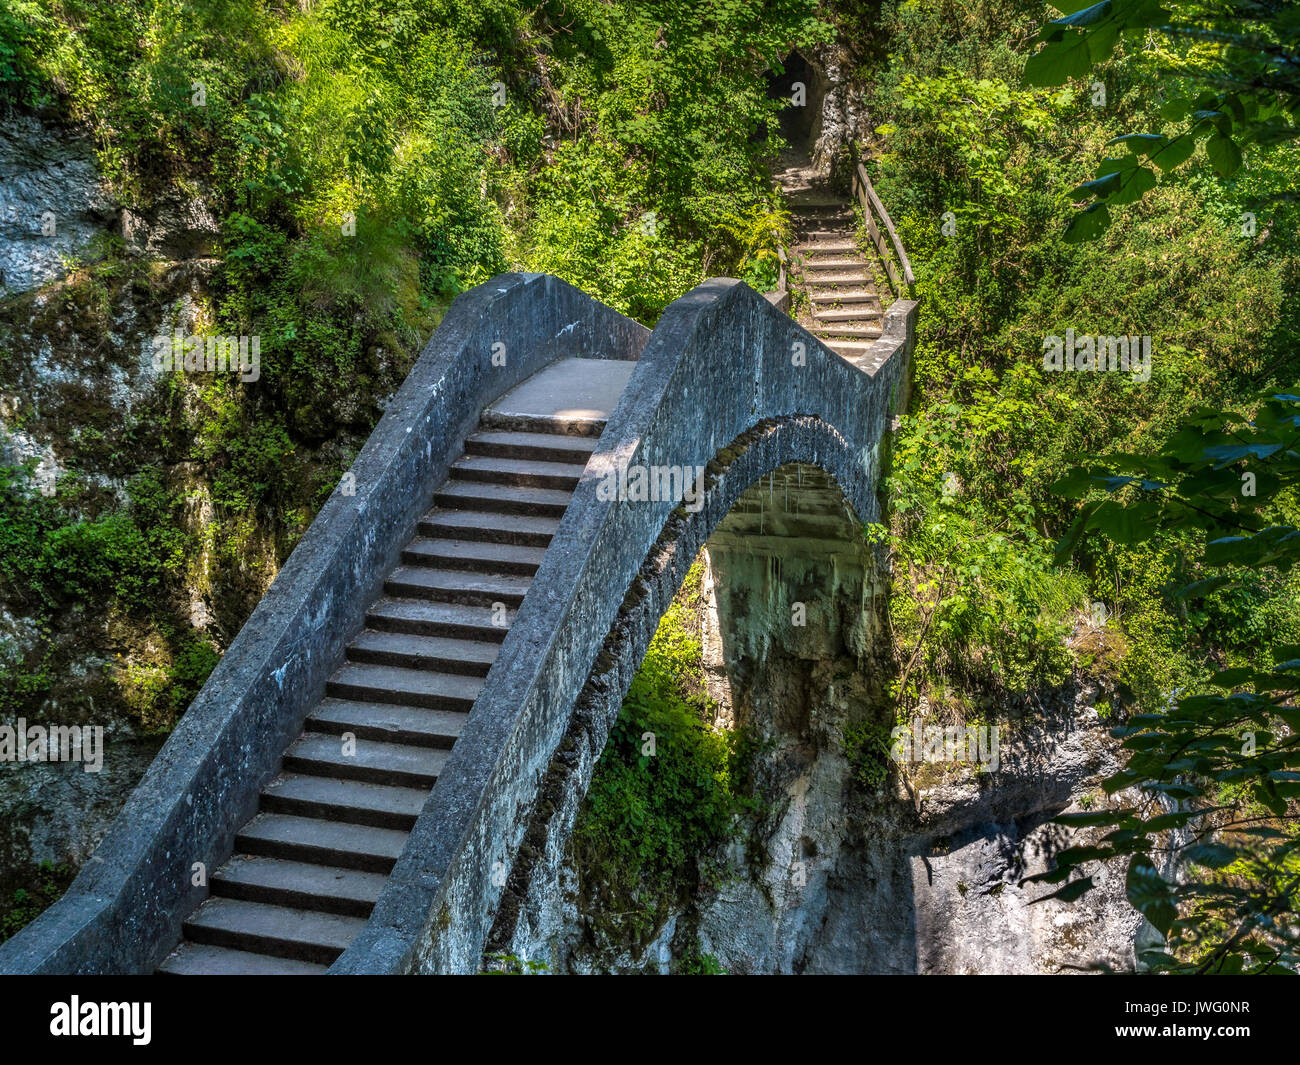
x,y
51,556
1244,51
1221,768
512,965
27,903
368,161
698,963
962,134
977,603
652,823
867,746
23,27
971,129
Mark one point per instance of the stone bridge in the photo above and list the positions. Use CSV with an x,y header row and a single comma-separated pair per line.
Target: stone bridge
x,y
382,772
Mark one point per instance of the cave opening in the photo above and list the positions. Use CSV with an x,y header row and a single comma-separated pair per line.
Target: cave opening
x,y
801,89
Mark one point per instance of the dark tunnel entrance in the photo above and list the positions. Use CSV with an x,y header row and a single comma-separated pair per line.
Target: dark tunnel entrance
x,y
801,89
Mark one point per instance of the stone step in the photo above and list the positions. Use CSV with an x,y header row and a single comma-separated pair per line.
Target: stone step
x,y
201,959
570,396
424,618
522,529
298,884
353,801
846,332
388,722
545,447
589,424
362,682
365,682
847,295
287,933
846,314
440,653
503,499
815,201
834,266
849,349
832,248
814,236
526,473
307,839
399,765
474,554
824,220
855,278
457,586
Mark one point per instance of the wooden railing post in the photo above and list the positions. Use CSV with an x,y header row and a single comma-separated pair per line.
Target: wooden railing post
x,y
877,219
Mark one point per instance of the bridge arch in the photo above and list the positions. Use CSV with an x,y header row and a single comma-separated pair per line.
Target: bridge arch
x,y
792,577
726,382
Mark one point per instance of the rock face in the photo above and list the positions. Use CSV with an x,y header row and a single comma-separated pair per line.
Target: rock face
x,y
919,873
825,114
174,227
57,812
858,883
855,882
843,118
78,392
52,202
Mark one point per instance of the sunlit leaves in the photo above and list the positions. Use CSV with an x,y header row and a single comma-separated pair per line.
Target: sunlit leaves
x,y
1254,98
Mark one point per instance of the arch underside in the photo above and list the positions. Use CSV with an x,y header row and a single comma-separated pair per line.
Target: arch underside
x,y
790,576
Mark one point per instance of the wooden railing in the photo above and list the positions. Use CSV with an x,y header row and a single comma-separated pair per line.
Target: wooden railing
x,y
897,265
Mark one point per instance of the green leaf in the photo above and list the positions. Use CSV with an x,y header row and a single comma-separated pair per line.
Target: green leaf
x,y
1149,894
1124,525
1135,184
1088,225
1174,110
1175,153
1142,143
1223,154
1060,60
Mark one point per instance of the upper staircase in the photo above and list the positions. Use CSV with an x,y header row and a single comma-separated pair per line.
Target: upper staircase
x,y
843,307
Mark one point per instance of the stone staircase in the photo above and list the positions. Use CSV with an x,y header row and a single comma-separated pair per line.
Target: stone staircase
x,y
309,867
843,308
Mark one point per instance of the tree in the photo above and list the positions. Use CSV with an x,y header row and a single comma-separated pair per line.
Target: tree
x,y
1213,839
1248,67
1217,772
